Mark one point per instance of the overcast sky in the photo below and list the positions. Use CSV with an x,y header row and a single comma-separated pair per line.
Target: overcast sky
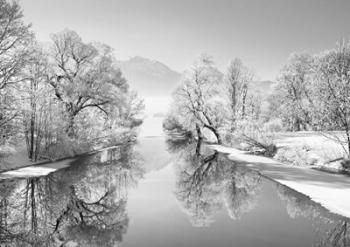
x,y
261,32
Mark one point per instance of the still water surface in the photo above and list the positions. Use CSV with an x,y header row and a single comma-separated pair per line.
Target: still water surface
x,y
161,194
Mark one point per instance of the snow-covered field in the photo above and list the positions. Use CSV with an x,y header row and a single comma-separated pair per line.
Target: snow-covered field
x,y
323,150
330,190
317,141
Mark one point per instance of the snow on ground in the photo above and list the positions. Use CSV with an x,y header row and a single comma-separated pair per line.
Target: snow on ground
x,y
35,171
330,190
322,144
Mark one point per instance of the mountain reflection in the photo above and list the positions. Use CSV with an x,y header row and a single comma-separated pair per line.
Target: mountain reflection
x,y
82,205
208,182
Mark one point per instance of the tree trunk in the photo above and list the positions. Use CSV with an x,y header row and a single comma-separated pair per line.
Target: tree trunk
x,y
244,97
215,132
32,119
200,139
348,138
34,218
70,127
32,135
296,126
233,108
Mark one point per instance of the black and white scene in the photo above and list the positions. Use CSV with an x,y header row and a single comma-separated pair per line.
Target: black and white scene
x,y
175,123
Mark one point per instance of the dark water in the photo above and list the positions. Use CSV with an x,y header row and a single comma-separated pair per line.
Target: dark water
x,y
155,194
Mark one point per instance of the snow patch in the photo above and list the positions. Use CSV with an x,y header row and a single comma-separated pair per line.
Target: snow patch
x,y
330,190
36,170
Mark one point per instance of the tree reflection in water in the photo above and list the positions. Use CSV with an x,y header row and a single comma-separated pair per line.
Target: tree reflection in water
x,y
333,231
84,204
208,182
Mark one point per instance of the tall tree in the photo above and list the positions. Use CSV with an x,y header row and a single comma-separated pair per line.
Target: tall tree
x,y
37,103
332,90
14,38
237,78
84,76
293,97
198,98
15,35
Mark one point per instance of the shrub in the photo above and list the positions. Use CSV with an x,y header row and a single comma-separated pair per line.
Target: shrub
x,y
345,163
258,140
274,125
297,155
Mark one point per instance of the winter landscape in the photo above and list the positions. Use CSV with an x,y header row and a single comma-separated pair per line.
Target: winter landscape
x,y
175,123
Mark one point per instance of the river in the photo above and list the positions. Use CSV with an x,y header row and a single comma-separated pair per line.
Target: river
x,y
159,193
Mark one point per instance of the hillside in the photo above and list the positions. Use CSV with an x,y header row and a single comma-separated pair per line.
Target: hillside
x,y
149,77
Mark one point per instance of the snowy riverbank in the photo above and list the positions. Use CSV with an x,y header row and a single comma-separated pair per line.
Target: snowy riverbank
x,y
330,190
45,167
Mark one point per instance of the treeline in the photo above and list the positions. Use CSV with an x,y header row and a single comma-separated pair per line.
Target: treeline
x,y
210,101
312,93
62,98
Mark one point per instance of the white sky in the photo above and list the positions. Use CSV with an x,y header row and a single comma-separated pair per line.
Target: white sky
x,y
261,32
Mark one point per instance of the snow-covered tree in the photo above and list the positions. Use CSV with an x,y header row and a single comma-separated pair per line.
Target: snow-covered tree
x,y
198,103
84,75
292,99
15,35
332,90
237,79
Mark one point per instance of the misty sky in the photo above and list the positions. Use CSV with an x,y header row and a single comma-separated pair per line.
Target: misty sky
x,y
261,32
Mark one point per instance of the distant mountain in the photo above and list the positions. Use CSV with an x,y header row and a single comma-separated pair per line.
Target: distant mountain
x,y
149,77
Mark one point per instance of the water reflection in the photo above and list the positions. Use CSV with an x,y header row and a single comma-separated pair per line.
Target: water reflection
x,y
332,231
221,204
207,182
83,205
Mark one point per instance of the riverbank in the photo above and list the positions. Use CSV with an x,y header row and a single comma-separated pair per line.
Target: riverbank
x,y
330,190
43,168
322,151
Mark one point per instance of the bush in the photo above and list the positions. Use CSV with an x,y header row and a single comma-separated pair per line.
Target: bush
x,y
298,155
257,140
274,125
345,163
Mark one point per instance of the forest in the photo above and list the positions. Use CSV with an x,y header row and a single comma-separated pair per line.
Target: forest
x,y
60,98
310,95
68,96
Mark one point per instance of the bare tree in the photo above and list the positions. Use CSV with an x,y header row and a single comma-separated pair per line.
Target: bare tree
x,y
37,102
84,76
332,90
198,99
14,37
293,97
237,78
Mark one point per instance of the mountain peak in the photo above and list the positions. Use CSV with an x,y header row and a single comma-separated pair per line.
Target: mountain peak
x,y
149,77
148,63
138,59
